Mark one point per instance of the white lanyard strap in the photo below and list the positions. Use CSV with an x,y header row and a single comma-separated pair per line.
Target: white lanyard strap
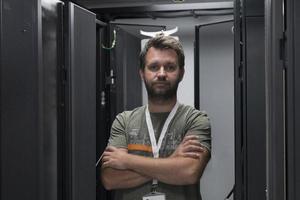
x,y
156,146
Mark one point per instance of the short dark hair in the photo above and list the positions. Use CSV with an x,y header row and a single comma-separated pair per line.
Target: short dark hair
x,y
163,42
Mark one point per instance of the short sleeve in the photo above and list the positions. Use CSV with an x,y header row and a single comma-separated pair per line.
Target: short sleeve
x,y
118,132
198,123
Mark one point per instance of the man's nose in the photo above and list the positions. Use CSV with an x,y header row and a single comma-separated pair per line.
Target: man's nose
x,y
161,71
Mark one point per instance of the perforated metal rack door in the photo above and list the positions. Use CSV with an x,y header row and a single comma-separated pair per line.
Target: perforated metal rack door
x,y
81,103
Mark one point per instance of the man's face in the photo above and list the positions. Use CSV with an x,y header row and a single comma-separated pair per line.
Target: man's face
x,y
162,73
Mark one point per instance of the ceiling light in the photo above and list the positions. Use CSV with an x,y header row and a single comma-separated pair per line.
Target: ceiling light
x,y
178,1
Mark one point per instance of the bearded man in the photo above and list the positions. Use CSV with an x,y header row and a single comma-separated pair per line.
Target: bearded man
x,y
158,151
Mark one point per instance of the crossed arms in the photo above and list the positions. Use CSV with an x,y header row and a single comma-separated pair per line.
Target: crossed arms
x,y
185,166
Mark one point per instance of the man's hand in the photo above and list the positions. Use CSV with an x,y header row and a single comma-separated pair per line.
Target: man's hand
x,y
189,147
115,158
113,175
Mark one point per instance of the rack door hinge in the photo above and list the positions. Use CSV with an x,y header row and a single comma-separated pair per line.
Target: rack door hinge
x,y
103,99
64,75
110,80
240,71
282,47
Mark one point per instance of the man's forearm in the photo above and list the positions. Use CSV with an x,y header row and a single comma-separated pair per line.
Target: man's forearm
x,y
121,179
173,170
185,166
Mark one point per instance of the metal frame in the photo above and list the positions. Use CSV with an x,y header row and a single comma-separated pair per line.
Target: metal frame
x,y
61,156
197,71
164,7
238,104
102,107
146,25
161,10
291,190
100,23
197,59
68,158
1,58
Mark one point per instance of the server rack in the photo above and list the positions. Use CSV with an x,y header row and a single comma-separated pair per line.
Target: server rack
x,y
48,100
282,26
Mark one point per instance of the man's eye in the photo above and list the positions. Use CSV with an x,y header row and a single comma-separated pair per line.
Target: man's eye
x,y
170,68
153,67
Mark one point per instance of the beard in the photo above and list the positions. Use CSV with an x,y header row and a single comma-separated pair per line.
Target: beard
x,y
168,91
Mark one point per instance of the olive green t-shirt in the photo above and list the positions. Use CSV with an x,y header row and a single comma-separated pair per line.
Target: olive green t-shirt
x,y
129,130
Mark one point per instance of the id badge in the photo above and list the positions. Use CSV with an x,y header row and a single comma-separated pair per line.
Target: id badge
x,y
155,196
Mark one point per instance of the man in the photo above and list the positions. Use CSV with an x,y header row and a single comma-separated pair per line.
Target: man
x,y
163,147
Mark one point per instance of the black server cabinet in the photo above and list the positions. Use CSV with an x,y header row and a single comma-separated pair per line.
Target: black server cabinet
x,y
251,107
255,146
283,95
47,101
293,98
283,92
23,104
275,102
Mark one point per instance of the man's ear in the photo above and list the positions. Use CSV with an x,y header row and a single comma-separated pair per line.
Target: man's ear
x,y
141,72
181,73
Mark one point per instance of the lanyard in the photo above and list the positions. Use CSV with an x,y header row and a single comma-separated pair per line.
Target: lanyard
x,y
156,145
